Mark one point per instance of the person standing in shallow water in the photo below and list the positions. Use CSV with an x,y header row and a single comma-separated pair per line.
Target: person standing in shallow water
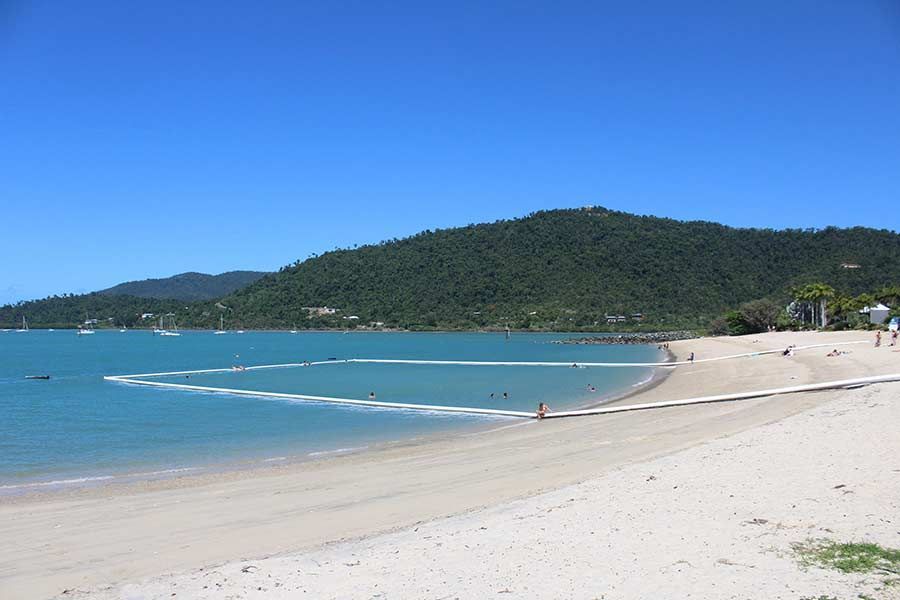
x,y
542,410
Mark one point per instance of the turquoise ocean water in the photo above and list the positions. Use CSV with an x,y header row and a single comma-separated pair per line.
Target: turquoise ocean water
x,y
78,429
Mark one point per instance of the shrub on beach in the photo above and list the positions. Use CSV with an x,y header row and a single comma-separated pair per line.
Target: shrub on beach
x,y
752,317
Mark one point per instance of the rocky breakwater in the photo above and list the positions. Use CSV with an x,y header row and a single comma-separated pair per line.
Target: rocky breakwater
x,y
660,337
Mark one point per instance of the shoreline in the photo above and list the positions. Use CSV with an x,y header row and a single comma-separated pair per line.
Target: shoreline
x,y
657,377
88,539
190,474
361,330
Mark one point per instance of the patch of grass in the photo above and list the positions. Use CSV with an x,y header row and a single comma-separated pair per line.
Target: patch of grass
x,y
853,557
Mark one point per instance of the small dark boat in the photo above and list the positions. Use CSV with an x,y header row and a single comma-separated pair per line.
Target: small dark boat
x,y
37,377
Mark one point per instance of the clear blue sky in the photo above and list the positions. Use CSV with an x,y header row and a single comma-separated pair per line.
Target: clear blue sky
x,y
146,139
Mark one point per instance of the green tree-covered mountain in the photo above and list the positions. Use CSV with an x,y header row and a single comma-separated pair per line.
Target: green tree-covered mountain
x,y
186,286
560,269
570,268
70,310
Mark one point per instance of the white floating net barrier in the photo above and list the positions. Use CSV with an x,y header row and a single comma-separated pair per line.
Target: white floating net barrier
x,y
151,380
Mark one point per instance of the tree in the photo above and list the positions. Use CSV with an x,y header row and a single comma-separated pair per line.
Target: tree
x,y
816,296
864,300
890,295
759,315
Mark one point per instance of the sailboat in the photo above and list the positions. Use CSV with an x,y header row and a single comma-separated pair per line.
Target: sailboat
x,y
221,329
87,328
24,326
294,330
124,328
160,328
174,332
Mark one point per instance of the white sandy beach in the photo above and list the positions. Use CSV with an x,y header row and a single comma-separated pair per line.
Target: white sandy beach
x,y
700,501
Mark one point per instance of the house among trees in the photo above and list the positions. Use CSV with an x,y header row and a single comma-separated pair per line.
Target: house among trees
x,y
320,311
877,314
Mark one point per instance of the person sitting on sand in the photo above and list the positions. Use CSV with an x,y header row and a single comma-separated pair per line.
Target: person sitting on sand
x,y
834,352
542,410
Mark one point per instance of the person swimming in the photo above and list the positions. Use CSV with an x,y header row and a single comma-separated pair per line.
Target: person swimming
x,y
505,396
542,410
371,395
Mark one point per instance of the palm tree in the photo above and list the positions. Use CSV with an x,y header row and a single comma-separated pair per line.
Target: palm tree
x,y
816,296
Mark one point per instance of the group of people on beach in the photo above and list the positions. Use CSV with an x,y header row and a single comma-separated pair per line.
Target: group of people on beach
x,y
878,338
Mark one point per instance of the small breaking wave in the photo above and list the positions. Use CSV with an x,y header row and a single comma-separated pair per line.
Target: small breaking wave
x,y
337,451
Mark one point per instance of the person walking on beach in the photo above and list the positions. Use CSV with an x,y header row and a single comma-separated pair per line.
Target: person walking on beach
x,y
894,338
877,339
542,410
691,357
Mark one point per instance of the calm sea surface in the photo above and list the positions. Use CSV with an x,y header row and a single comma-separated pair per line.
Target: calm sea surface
x,y
77,428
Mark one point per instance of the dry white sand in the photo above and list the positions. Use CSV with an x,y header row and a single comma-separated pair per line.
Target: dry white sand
x,y
714,521
641,504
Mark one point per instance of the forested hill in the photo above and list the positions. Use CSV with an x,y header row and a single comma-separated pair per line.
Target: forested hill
x,y
567,268
560,270
186,286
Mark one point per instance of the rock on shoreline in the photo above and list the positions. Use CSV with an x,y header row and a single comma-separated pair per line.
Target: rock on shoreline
x,y
631,338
